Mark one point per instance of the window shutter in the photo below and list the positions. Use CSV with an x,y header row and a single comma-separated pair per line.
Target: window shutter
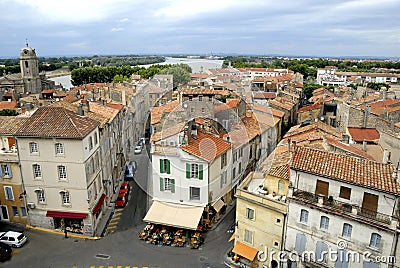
x,y
161,166
9,170
168,167
200,172
161,184
1,170
187,171
172,185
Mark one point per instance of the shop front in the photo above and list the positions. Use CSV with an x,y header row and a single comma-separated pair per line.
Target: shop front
x,y
70,221
244,255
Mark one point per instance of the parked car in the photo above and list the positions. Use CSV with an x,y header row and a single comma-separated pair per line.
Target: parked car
x,y
5,252
125,188
138,149
130,170
121,201
14,239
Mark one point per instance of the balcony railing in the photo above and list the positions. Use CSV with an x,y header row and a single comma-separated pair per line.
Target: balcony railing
x,y
342,207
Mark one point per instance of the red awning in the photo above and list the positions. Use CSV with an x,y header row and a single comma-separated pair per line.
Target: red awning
x,y
66,215
98,206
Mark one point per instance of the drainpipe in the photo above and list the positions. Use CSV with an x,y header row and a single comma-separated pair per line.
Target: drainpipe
x,y
23,185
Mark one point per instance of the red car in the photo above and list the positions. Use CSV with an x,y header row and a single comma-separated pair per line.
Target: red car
x,y
125,188
121,201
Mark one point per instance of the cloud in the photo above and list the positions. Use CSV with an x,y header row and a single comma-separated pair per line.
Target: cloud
x,y
315,27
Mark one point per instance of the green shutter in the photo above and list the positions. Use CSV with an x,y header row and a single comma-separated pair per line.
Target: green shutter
x,y
161,184
172,185
200,172
187,171
161,166
168,167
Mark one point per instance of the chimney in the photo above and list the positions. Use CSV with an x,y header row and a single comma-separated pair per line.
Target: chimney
x,y
80,110
385,158
384,93
85,105
364,145
288,145
366,114
345,138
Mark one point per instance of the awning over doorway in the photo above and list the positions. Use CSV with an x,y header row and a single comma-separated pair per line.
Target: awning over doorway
x,y
98,205
245,251
65,215
180,216
217,205
232,237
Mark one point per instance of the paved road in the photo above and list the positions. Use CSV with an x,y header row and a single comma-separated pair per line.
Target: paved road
x,y
122,247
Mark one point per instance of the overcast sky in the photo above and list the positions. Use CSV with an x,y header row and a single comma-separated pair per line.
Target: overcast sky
x,y
291,27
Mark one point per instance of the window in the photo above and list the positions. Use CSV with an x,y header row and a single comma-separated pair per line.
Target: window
x,y
223,160
194,171
23,212
240,152
345,192
95,138
250,213
62,172
248,236
40,196
300,245
375,241
278,221
192,110
321,251
347,229
59,148
190,98
37,171
240,167
235,157
304,216
165,166
15,211
194,193
200,98
33,147
65,198
324,224
209,98
5,171
167,184
8,193
203,110
90,143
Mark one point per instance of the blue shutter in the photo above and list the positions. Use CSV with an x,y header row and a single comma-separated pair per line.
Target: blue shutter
x,y
300,243
321,247
1,170
9,170
342,259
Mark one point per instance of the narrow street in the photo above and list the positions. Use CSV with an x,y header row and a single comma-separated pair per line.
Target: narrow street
x,y
121,246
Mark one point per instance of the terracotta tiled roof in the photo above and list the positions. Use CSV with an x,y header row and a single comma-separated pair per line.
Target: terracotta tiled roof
x,y
309,108
359,134
73,107
280,164
157,112
57,122
348,148
346,168
102,110
206,146
318,126
70,98
167,132
378,107
8,105
48,91
10,124
117,106
264,95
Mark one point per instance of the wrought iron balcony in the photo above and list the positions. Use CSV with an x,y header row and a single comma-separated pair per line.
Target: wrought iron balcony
x,y
342,207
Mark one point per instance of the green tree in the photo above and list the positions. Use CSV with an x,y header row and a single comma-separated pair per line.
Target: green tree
x,y
8,112
309,88
180,74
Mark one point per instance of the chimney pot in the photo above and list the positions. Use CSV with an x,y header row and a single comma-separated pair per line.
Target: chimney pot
x,y
364,145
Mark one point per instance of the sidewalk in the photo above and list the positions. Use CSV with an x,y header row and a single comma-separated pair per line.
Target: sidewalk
x,y
229,208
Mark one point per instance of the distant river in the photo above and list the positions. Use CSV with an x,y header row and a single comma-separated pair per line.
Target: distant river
x,y
197,66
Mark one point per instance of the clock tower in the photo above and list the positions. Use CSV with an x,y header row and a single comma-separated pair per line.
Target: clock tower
x,y
30,70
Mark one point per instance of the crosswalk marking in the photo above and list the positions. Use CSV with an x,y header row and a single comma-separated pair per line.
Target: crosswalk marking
x,y
113,223
118,214
116,219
